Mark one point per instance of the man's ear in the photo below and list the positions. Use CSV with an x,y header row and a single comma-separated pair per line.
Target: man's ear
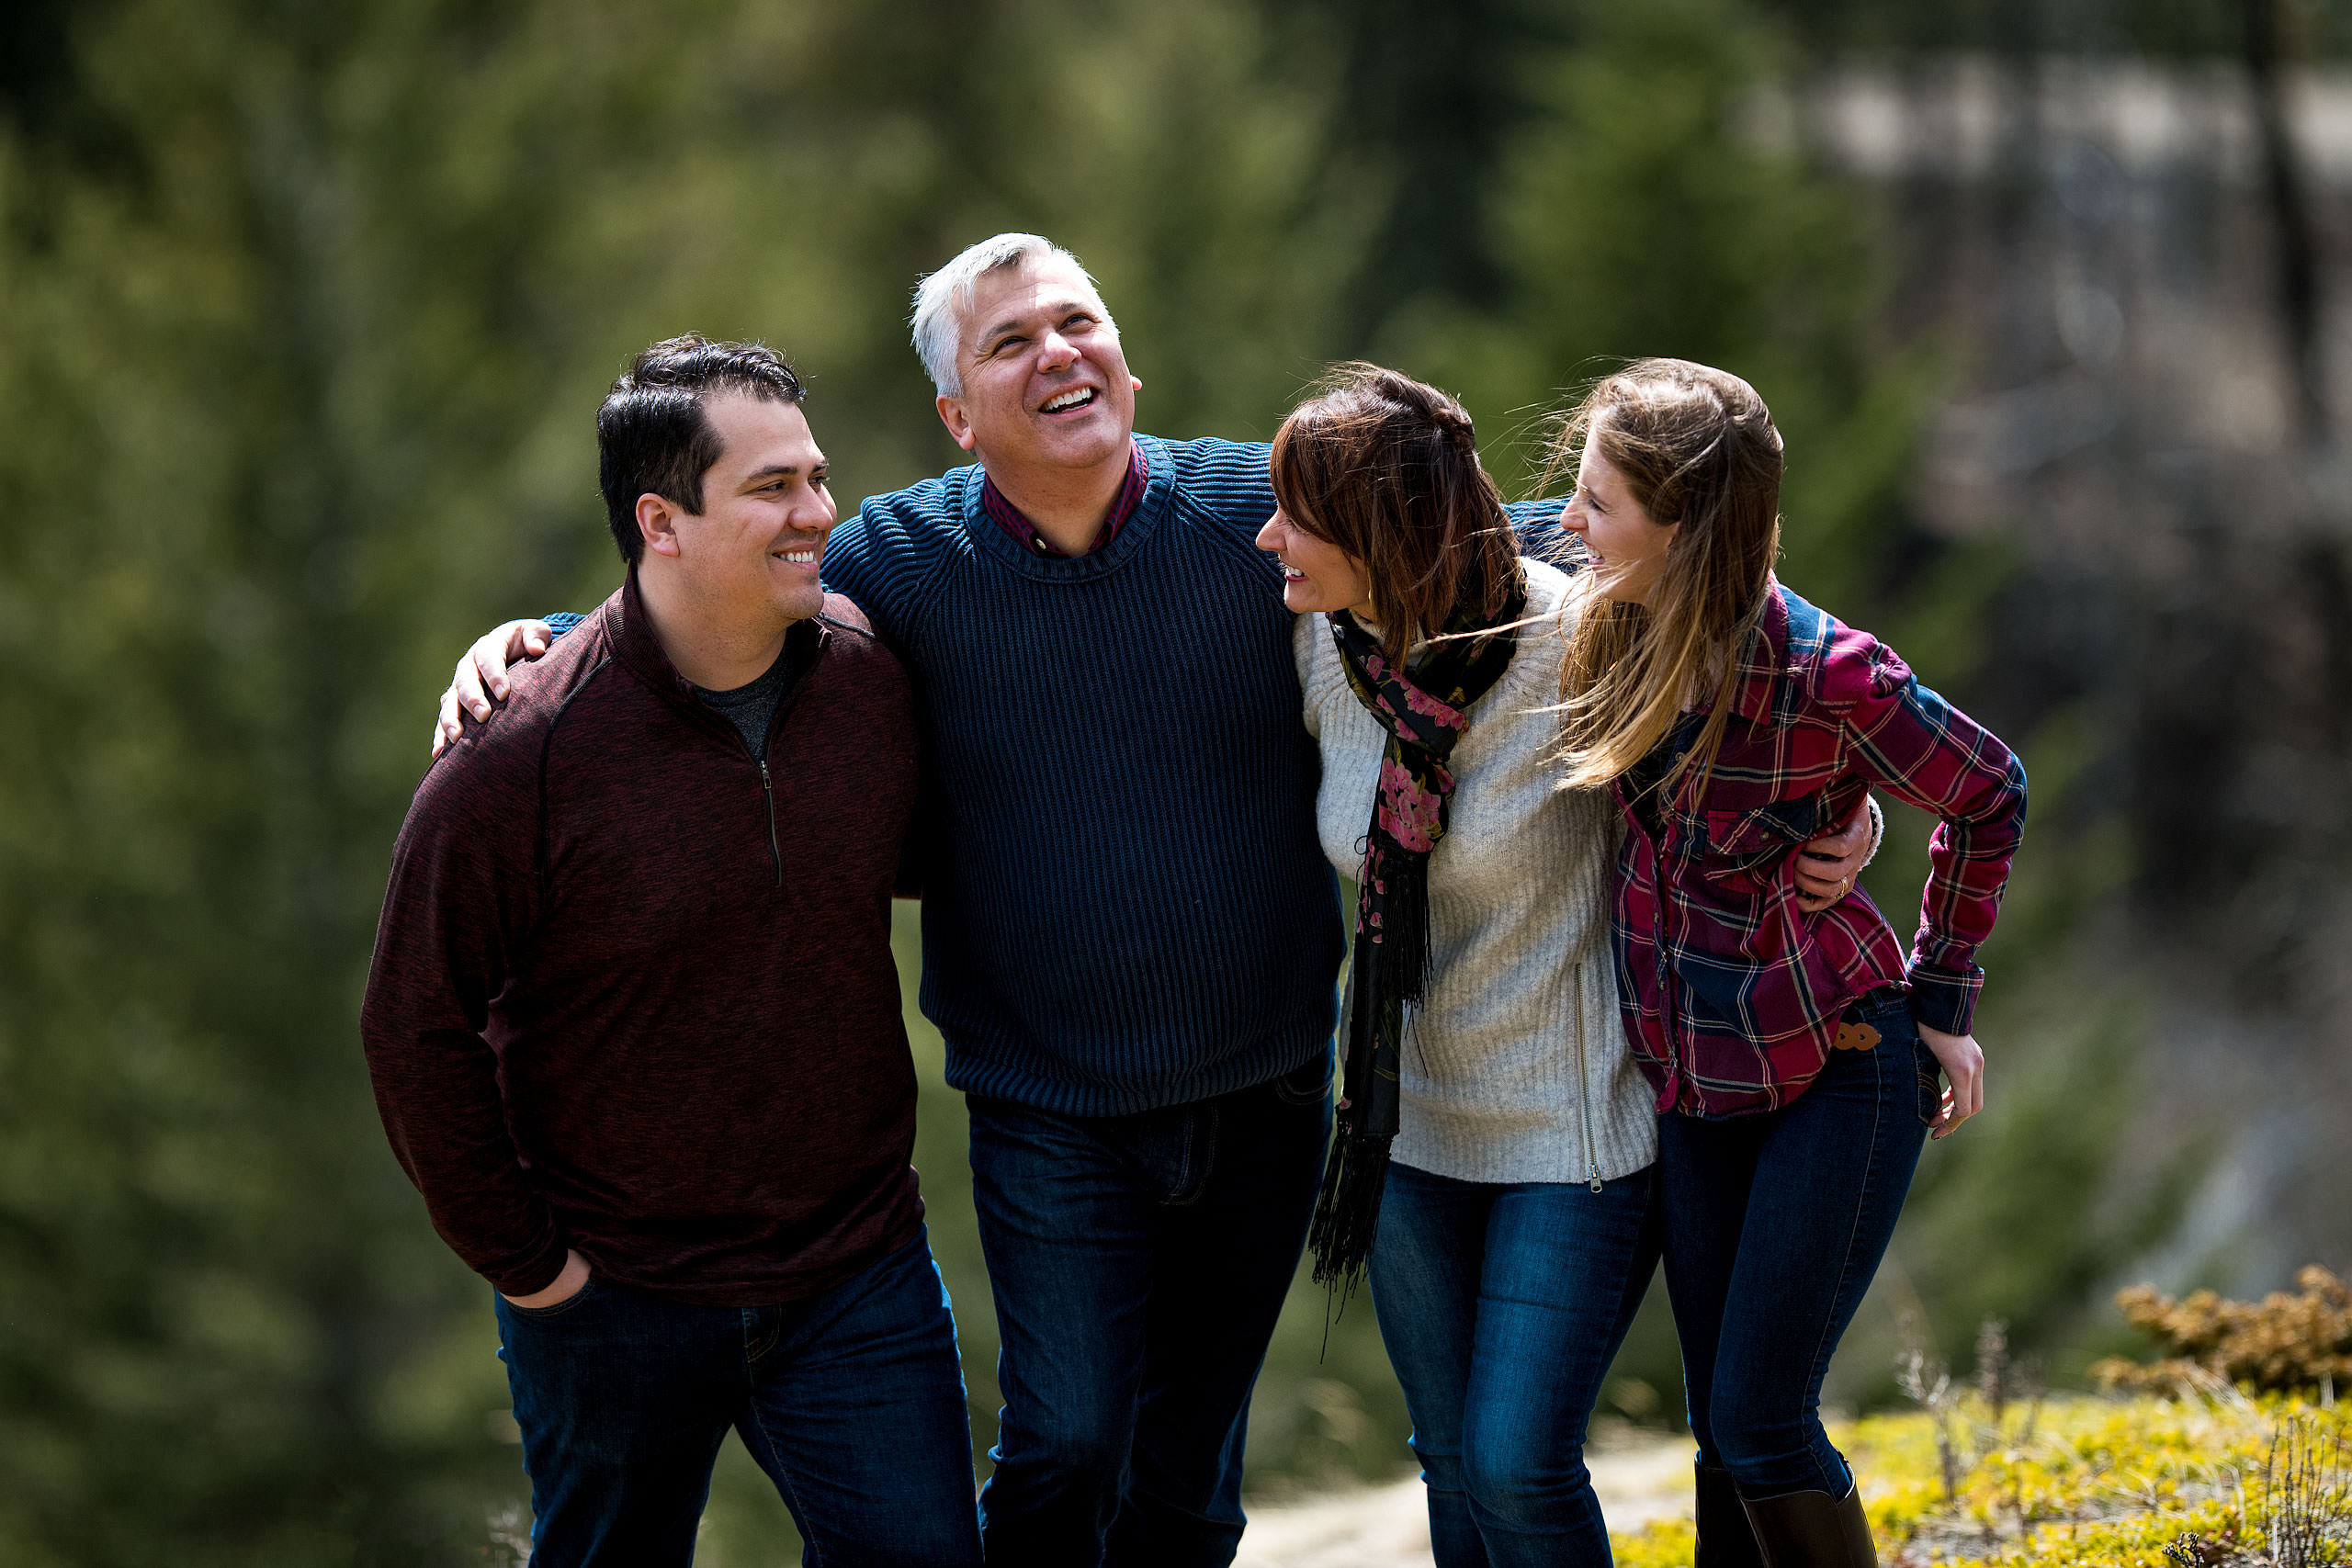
x,y
657,522
950,414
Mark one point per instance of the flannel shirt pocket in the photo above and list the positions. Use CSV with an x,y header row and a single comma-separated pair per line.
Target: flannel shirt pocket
x,y
1756,841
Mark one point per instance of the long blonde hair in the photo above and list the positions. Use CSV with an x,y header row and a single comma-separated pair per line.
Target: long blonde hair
x,y
1697,447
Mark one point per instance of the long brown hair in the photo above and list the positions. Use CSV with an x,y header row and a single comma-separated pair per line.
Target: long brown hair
x,y
1386,467
1697,447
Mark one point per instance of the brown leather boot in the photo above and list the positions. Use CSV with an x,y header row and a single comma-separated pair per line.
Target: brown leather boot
x,y
1812,1530
1725,1540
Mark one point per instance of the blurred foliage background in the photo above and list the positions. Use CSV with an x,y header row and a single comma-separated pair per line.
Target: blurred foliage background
x,y
304,311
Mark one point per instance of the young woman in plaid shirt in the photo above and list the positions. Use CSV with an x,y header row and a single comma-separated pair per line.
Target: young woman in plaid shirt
x,y
1796,1052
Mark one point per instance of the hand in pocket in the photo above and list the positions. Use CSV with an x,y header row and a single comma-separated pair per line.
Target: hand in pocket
x,y
567,1284
1963,1065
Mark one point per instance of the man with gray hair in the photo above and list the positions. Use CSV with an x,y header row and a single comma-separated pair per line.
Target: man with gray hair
x,y
1129,937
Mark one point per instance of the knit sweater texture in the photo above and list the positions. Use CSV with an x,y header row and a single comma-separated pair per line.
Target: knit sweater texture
x,y
1515,1067
1125,905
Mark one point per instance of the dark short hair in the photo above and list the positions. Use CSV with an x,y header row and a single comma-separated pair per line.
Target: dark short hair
x,y
1386,467
652,436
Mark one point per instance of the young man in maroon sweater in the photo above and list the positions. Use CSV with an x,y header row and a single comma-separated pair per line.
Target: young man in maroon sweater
x,y
634,1024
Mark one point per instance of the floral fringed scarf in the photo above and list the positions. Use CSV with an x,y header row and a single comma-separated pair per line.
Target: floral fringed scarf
x,y
1425,711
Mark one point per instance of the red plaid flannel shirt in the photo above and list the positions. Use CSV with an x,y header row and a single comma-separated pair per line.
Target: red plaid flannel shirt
x,y
1122,506
1732,993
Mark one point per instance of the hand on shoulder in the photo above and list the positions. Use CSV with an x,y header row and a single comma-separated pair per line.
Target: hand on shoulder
x,y
481,678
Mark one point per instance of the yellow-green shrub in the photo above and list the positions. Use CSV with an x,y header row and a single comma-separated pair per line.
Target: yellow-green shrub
x,y
2077,1480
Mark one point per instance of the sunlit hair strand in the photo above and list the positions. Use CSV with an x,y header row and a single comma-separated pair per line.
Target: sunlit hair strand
x,y
1697,448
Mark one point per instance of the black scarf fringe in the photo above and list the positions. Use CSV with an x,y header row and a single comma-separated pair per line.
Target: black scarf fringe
x,y
1347,1209
1403,951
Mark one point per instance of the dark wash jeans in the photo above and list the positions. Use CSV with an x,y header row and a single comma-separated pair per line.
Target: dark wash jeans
x,y
853,1402
1774,1224
1138,1264
1502,1306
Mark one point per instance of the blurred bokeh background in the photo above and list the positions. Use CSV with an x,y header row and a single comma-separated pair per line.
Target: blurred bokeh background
x,y
304,310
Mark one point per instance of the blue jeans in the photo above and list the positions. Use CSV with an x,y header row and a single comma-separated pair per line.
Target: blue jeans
x,y
1502,1306
853,1402
1774,1224
1138,1264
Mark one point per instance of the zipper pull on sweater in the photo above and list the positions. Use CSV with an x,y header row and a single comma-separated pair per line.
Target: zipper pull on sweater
x,y
767,794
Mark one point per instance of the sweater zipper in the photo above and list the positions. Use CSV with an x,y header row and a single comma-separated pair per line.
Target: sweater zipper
x,y
767,793
1584,1104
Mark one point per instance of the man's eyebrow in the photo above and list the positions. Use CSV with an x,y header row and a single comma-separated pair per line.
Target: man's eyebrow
x,y
996,333
778,471
1058,310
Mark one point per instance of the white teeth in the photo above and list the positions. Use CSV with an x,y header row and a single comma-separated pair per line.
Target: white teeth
x,y
799,558
1070,400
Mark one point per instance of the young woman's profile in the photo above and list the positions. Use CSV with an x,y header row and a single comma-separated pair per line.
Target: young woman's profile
x,y
1798,1055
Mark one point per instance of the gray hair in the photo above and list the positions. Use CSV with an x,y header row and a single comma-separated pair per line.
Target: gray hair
x,y
943,298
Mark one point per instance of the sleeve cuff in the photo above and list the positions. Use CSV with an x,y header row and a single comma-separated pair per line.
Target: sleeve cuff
x,y
1944,1000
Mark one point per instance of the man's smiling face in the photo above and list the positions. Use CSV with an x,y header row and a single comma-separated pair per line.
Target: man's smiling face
x,y
1046,384
754,550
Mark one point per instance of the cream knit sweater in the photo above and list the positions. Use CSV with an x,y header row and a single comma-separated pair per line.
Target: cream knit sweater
x,y
1515,1069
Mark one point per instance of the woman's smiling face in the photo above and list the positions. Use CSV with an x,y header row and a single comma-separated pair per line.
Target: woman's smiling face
x,y
1627,549
1316,573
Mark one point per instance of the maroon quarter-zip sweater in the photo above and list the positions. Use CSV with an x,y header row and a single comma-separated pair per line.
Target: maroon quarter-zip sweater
x,y
633,993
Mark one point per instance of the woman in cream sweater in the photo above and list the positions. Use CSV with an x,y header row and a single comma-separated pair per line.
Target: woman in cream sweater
x,y
1493,1132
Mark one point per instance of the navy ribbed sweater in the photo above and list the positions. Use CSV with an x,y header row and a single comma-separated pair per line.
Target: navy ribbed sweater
x,y
1125,905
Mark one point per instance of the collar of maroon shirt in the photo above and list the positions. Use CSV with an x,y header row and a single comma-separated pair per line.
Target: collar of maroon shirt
x,y
1008,517
639,651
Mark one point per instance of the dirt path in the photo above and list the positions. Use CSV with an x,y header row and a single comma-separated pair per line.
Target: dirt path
x,y
1388,1527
